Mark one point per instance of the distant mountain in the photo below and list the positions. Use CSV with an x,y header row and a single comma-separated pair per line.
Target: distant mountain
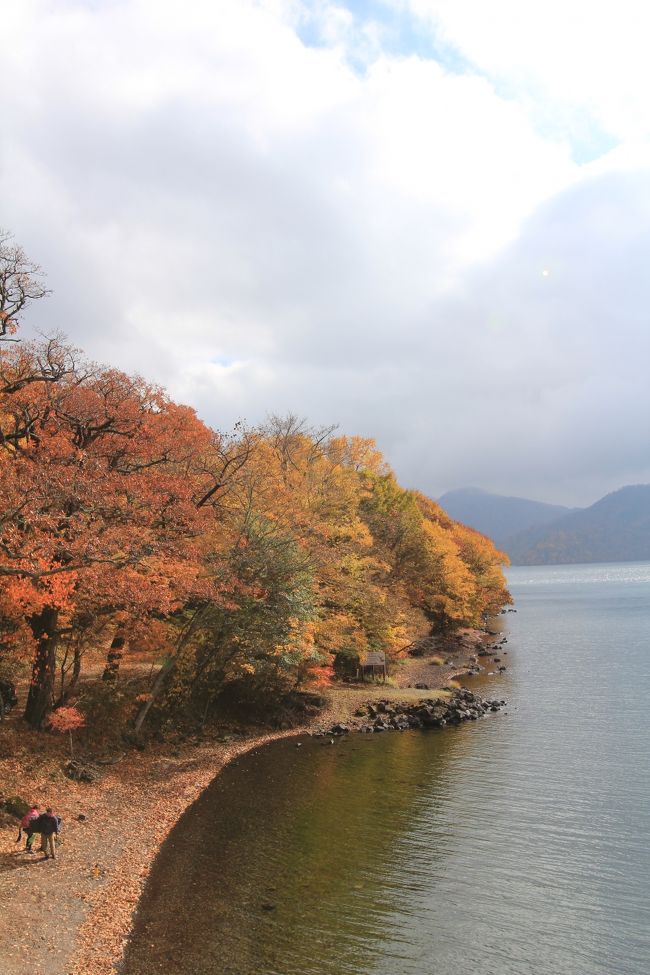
x,y
497,516
614,529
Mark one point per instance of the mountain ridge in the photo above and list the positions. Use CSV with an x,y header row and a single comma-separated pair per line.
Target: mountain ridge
x,y
498,516
616,528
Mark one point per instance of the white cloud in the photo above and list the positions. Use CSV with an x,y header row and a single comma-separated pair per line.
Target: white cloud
x,y
589,55
261,227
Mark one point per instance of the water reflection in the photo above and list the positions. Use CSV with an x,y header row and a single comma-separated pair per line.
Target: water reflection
x,y
288,863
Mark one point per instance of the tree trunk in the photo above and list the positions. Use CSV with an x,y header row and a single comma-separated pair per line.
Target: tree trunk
x,y
41,691
68,690
169,666
113,657
157,688
76,672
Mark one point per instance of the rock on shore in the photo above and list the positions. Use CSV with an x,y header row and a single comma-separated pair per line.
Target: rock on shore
x,y
390,715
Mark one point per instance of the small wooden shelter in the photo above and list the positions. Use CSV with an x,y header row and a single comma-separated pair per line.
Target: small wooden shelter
x,y
372,663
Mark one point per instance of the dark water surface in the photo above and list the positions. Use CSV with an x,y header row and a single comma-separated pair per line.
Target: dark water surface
x,y
517,845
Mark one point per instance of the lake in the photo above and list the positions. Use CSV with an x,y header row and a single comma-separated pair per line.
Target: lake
x,y
515,845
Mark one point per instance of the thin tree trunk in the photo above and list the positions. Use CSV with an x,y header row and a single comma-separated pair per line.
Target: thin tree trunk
x,y
68,690
114,657
76,672
168,668
156,690
41,691
63,671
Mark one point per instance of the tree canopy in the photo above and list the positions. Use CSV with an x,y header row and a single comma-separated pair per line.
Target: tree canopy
x,y
261,559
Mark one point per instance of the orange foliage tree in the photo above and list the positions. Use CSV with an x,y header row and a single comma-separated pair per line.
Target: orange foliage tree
x,y
259,558
66,720
101,474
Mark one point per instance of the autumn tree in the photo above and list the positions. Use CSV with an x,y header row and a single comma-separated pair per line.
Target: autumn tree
x,y
259,637
99,479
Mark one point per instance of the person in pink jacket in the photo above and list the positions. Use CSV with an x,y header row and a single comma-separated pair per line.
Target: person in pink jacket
x,y
26,823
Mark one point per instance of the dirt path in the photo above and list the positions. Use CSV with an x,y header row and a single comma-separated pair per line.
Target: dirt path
x,y
71,916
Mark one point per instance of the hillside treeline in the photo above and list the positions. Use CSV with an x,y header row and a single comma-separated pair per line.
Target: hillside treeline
x,y
263,559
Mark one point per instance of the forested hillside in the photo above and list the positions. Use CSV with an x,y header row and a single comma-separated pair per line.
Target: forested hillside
x,y
255,561
498,516
614,529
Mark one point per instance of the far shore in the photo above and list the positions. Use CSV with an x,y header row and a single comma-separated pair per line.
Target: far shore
x,y
73,916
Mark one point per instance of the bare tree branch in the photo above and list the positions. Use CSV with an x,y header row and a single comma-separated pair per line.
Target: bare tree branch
x,y
20,283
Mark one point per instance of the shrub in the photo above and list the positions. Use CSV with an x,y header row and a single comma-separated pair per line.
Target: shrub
x,y
15,806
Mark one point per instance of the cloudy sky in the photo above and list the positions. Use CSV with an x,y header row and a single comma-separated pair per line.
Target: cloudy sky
x,y
427,221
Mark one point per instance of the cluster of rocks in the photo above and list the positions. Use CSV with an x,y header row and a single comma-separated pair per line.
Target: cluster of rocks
x,y
431,713
80,771
493,648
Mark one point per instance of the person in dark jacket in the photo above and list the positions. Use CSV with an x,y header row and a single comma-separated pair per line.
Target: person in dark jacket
x,y
47,825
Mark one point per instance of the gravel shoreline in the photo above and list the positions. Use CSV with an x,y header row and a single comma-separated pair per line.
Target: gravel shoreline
x,y
72,916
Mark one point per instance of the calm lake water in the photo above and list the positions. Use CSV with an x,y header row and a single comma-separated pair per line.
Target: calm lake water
x,y
516,845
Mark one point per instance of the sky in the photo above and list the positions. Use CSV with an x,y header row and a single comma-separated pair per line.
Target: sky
x,y
426,221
